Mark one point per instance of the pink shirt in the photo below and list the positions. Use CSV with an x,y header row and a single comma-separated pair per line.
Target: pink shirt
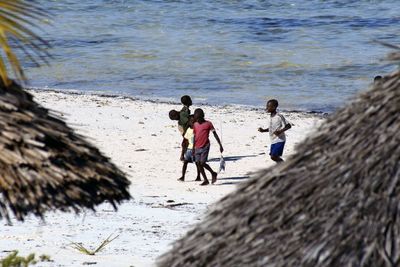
x,y
201,133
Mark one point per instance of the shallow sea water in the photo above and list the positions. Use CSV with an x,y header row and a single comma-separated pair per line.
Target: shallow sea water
x,y
310,55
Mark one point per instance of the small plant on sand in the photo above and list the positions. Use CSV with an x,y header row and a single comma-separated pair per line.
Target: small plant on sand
x,y
13,260
79,247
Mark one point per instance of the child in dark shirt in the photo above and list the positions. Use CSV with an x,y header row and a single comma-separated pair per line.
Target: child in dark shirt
x,y
184,114
183,119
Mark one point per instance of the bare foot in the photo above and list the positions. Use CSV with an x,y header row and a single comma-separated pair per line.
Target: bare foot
x,y
198,179
205,183
182,179
214,178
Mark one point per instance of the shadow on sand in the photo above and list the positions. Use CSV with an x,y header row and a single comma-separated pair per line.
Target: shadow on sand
x,y
232,180
232,158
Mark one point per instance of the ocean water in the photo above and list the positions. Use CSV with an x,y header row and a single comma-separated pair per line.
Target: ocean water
x,y
311,55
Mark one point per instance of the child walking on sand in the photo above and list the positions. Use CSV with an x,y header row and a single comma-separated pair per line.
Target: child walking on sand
x,y
184,114
277,128
183,118
183,123
202,129
189,155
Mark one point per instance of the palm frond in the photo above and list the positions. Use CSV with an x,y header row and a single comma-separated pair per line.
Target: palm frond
x,y
79,246
18,18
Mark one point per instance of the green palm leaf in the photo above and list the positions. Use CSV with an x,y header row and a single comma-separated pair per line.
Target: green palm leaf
x,y
17,19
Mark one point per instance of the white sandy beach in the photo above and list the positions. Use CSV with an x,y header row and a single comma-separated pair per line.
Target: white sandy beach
x,y
140,139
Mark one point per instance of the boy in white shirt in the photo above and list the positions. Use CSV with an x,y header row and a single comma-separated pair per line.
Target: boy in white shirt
x,y
277,128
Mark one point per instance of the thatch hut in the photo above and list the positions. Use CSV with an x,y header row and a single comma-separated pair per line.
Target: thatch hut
x,y
44,165
336,202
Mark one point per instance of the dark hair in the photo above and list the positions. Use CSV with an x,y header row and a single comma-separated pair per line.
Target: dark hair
x,y
173,115
273,102
377,78
186,100
199,113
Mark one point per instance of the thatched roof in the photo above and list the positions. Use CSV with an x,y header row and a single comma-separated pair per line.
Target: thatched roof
x,y
335,203
44,165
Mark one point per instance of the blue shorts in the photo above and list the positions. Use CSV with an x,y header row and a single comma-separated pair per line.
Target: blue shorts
x,y
277,149
189,157
201,154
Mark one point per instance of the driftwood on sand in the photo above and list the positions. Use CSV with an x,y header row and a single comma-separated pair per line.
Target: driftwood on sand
x,y
334,203
44,165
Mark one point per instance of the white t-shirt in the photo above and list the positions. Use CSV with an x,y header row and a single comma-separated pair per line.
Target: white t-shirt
x,y
277,122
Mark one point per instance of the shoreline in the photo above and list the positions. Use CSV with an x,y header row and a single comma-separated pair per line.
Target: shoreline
x,y
160,100
141,140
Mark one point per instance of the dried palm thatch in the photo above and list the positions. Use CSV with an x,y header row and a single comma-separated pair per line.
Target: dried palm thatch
x,y
335,203
44,165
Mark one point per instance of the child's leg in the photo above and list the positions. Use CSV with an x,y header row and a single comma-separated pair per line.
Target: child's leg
x,y
182,157
184,167
200,156
198,173
203,173
277,151
213,173
277,159
184,146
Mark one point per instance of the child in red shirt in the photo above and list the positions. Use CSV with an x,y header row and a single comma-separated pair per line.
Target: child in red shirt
x,y
202,129
189,156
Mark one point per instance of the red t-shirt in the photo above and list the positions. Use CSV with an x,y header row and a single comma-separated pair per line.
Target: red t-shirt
x,y
201,133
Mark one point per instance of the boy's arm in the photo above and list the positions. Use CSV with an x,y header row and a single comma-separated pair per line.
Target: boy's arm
x,y
185,143
219,141
284,129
